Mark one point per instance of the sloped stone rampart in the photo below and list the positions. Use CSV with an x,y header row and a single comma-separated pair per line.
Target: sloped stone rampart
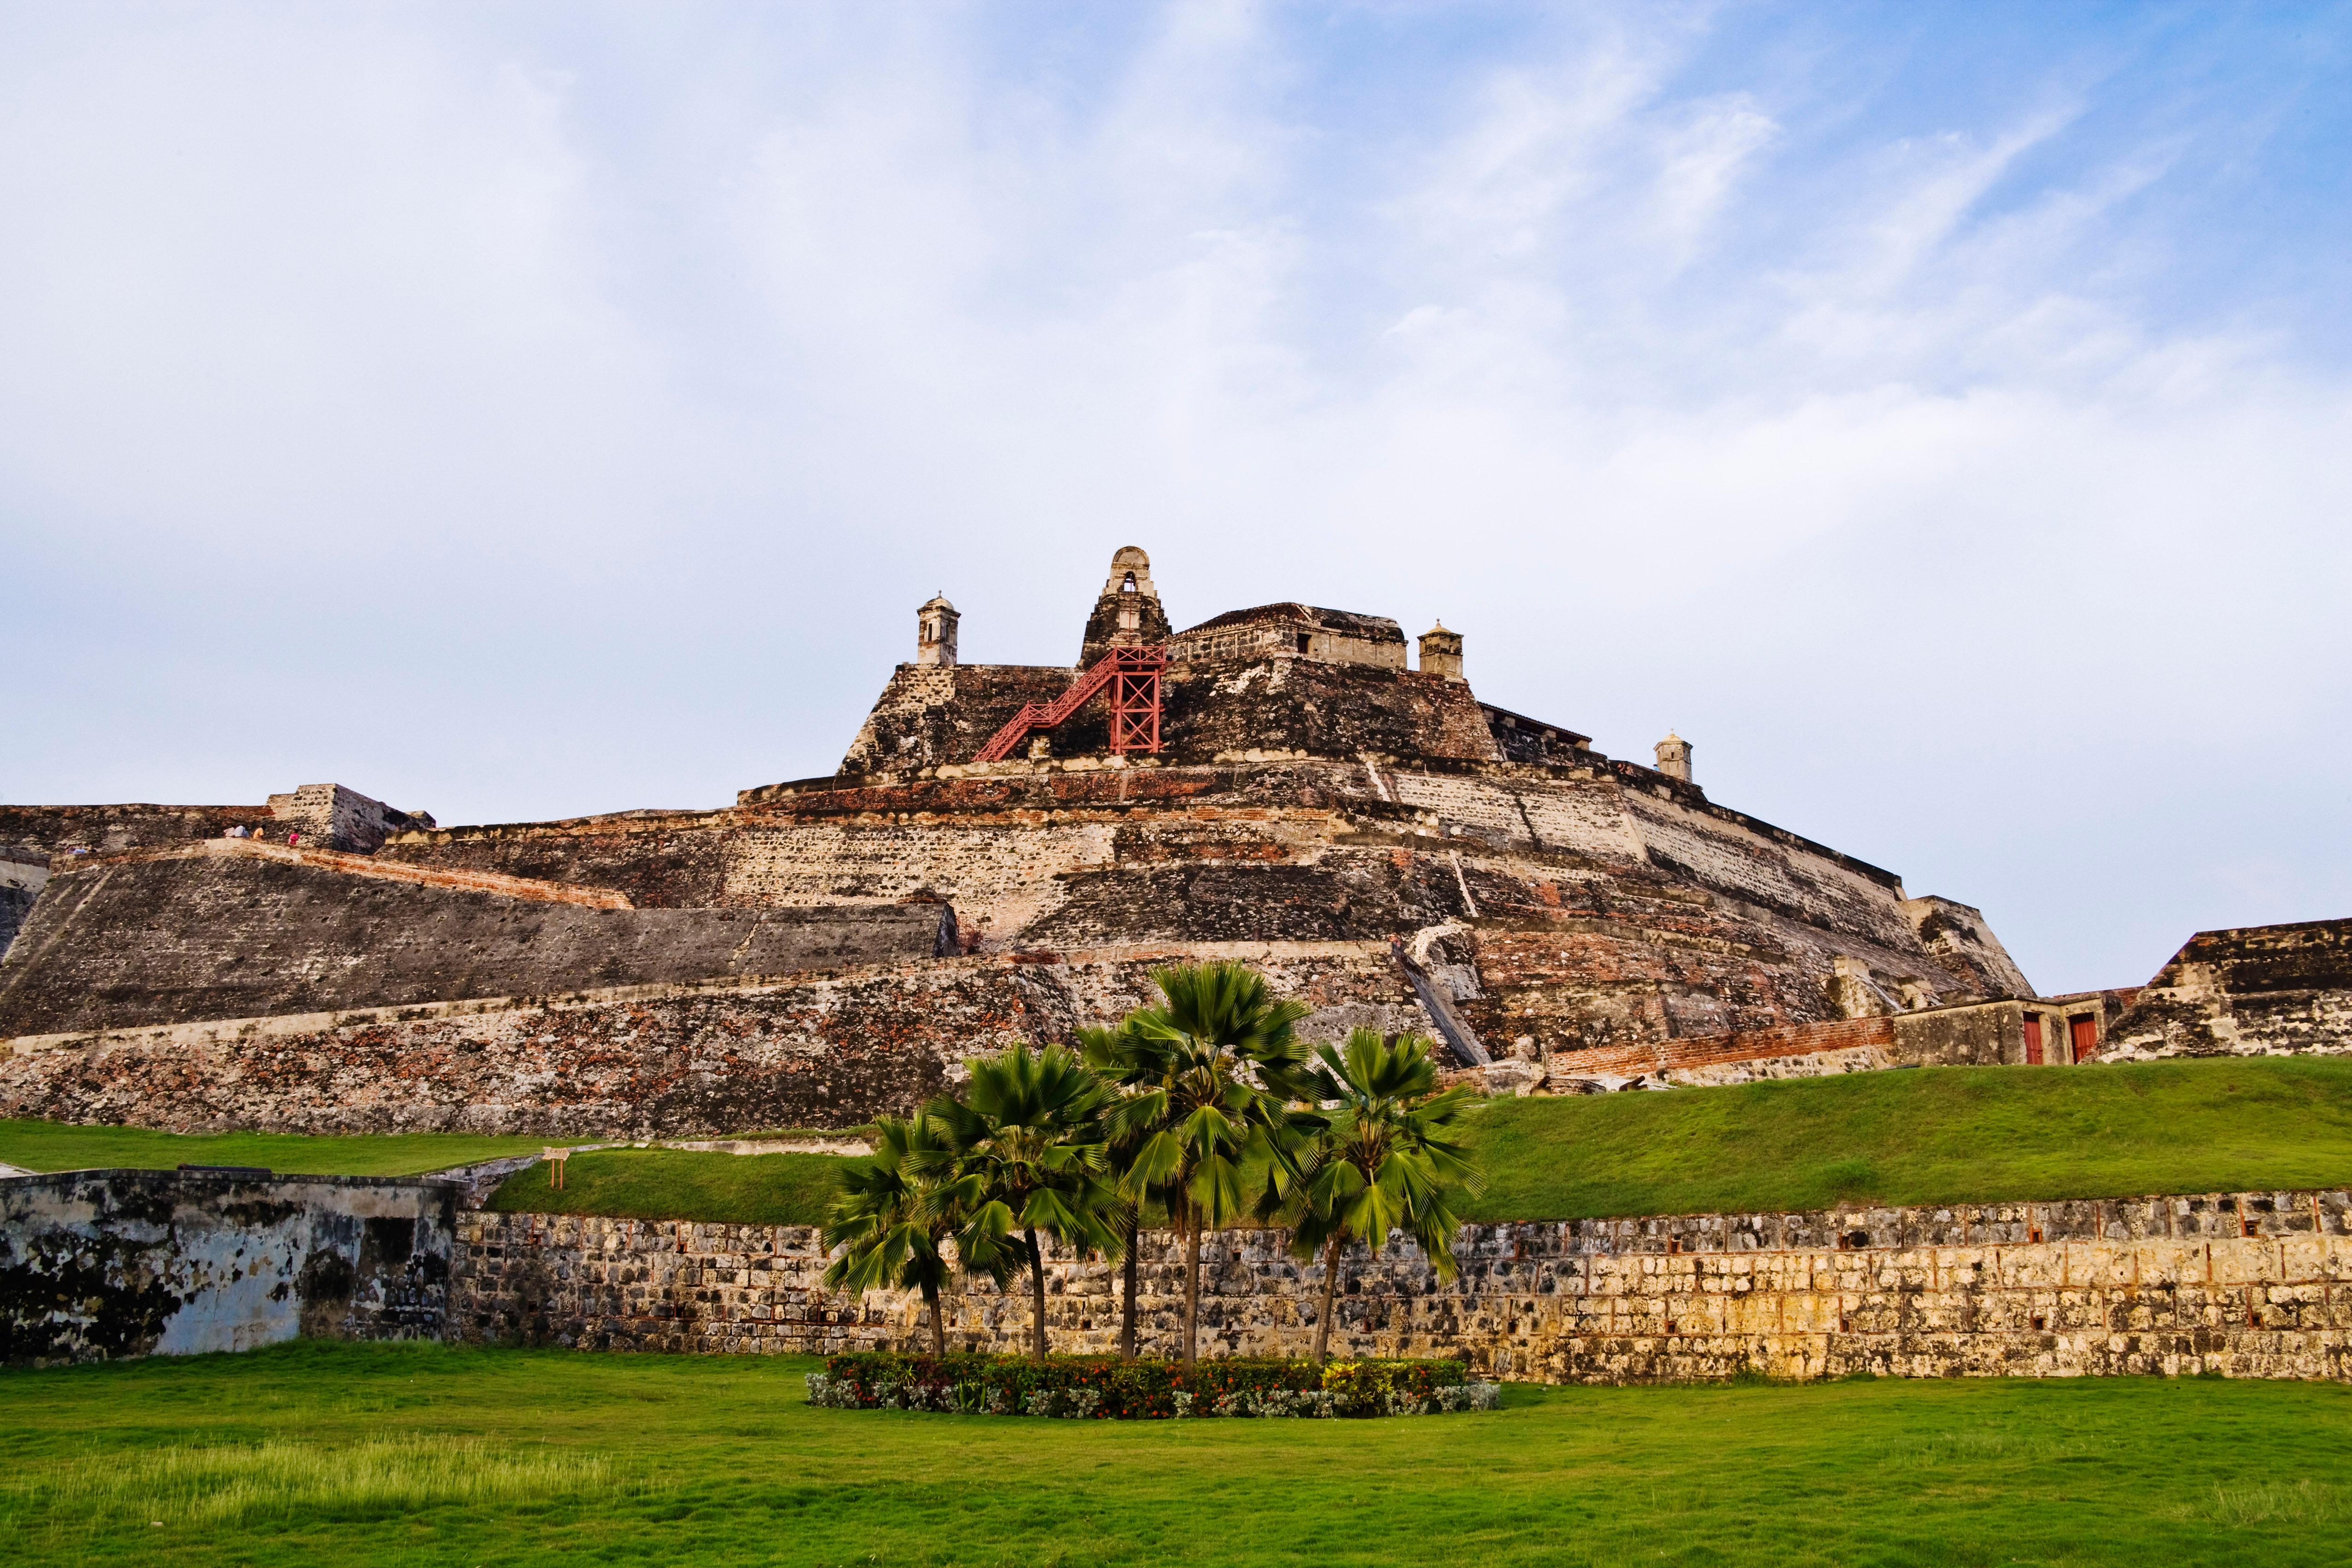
x,y
455,879
230,931
2246,1284
824,1049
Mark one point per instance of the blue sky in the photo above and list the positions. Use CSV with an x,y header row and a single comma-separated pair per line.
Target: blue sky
x,y
1938,413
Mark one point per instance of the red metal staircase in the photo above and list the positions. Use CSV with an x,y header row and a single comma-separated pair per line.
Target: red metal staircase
x,y
1132,675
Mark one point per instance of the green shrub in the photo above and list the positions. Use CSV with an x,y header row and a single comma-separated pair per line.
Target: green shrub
x,y
1105,1388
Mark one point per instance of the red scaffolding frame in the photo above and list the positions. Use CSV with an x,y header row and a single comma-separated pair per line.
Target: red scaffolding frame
x,y
1132,677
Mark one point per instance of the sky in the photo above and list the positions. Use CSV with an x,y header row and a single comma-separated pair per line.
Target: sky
x,y
1940,414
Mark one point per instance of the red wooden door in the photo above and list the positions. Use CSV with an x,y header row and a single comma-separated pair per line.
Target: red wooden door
x,y
2086,1037
2033,1042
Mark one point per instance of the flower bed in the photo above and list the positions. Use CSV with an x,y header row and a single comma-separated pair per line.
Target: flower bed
x,y
1103,1388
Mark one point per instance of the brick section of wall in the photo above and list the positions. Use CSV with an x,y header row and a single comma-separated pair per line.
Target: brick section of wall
x,y
2256,1285
101,1265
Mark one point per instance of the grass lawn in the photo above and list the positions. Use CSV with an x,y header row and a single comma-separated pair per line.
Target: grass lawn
x,y
55,1147
1947,1135
397,1455
680,1184
1940,1134
1936,1135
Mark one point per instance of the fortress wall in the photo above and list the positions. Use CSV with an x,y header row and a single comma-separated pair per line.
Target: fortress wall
x,y
1960,940
243,934
112,829
2266,990
1583,816
2246,1285
1341,895
1583,941
1316,709
1583,983
929,714
1617,828
1000,875
1984,1034
828,1051
658,860
1723,854
103,1265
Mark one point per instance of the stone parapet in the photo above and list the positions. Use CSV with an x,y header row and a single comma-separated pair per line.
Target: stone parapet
x,y
2243,1284
457,879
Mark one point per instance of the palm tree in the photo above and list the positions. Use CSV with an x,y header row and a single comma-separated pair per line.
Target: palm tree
x,y
1021,1148
1384,1159
1125,1136
1204,1080
893,1219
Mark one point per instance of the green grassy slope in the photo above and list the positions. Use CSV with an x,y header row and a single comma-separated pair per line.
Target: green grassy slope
x,y
1935,1135
409,1456
53,1146
1944,1134
680,1184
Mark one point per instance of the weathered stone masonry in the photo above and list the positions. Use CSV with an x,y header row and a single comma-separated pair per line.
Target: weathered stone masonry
x,y
100,1265
822,1050
105,1264
230,930
2246,1284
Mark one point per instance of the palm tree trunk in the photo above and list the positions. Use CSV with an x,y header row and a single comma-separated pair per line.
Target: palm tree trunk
x,y
1036,1291
939,1329
1126,1303
1330,1289
1191,1284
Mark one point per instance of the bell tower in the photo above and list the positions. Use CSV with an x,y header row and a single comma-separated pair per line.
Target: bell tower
x,y
1127,615
1441,652
935,632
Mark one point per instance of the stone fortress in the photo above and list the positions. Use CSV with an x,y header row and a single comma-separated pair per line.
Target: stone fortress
x,y
1005,853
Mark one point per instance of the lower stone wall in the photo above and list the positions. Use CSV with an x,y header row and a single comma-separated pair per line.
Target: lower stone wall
x,y
2247,1285
99,1265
